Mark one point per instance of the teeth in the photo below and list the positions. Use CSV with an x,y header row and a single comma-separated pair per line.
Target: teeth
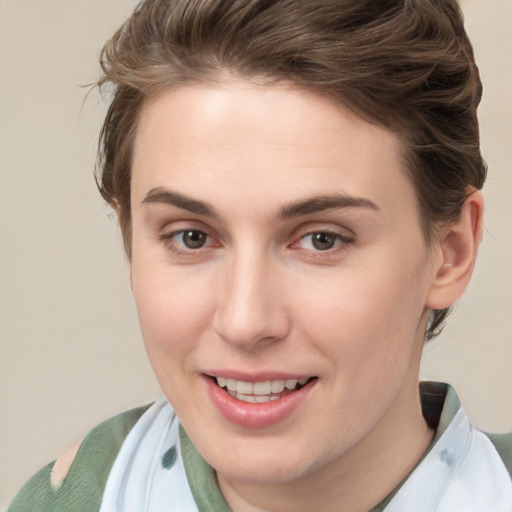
x,y
244,387
255,399
291,384
277,386
230,384
260,390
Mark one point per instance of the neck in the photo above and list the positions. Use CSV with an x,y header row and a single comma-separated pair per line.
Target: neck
x,y
356,481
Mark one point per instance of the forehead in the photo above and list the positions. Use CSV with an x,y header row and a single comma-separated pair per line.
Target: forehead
x,y
276,141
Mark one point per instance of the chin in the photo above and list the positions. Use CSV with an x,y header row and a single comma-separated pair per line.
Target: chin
x,y
270,472
267,464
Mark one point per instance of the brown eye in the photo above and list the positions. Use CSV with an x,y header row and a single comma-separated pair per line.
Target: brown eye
x,y
192,239
318,241
323,241
190,243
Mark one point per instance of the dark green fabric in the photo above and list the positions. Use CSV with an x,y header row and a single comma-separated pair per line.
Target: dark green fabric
x,y
82,489
201,478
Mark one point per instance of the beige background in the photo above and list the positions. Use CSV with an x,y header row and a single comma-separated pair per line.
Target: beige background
x,y
70,348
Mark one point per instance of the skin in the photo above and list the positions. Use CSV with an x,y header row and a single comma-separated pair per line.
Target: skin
x,y
259,296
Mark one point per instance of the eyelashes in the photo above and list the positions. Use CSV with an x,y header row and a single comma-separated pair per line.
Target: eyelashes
x,y
322,240
189,243
190,239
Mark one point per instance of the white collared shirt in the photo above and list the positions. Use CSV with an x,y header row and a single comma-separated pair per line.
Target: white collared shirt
x,y
462,472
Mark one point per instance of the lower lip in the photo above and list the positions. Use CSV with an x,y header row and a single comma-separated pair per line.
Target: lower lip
x,y
256,415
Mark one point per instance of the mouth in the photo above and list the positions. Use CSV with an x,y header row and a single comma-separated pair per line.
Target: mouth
x,y
258,403
260,392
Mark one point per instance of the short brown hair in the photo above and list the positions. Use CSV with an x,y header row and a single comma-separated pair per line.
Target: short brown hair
x,y
406,65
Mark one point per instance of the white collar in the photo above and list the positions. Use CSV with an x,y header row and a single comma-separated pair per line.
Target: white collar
x,y
139,480
462,473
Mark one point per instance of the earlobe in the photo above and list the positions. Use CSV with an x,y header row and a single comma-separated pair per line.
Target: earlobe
x,y
459,241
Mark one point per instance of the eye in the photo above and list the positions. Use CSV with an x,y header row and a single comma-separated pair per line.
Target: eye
x,y
322,240
192,238
187,239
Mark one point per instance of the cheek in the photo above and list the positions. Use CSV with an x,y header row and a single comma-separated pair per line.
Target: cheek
x,y
368,318
173,312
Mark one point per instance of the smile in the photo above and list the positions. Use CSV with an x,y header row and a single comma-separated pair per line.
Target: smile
x,y
260,392
258,403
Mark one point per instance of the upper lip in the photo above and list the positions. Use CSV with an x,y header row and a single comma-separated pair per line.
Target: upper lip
x,y
260,376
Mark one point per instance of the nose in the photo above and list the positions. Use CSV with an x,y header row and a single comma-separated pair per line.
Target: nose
x,y
251,308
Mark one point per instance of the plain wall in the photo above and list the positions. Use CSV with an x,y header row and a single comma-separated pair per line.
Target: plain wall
x,y
70,347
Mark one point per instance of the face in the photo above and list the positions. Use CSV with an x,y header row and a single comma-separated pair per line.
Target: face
x,y
280,274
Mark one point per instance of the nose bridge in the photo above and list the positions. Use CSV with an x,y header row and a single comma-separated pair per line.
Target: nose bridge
x,y
249,307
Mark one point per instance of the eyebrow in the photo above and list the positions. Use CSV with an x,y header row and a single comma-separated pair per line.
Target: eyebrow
x,y
164,196
294,209
322,203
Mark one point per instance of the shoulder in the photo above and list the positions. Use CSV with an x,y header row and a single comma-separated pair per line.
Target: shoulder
x,y
503,445
75,482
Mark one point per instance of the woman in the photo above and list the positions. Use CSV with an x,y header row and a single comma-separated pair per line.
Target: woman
x,y
298,188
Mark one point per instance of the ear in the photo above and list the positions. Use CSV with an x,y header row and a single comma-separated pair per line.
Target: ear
x,y
458,246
